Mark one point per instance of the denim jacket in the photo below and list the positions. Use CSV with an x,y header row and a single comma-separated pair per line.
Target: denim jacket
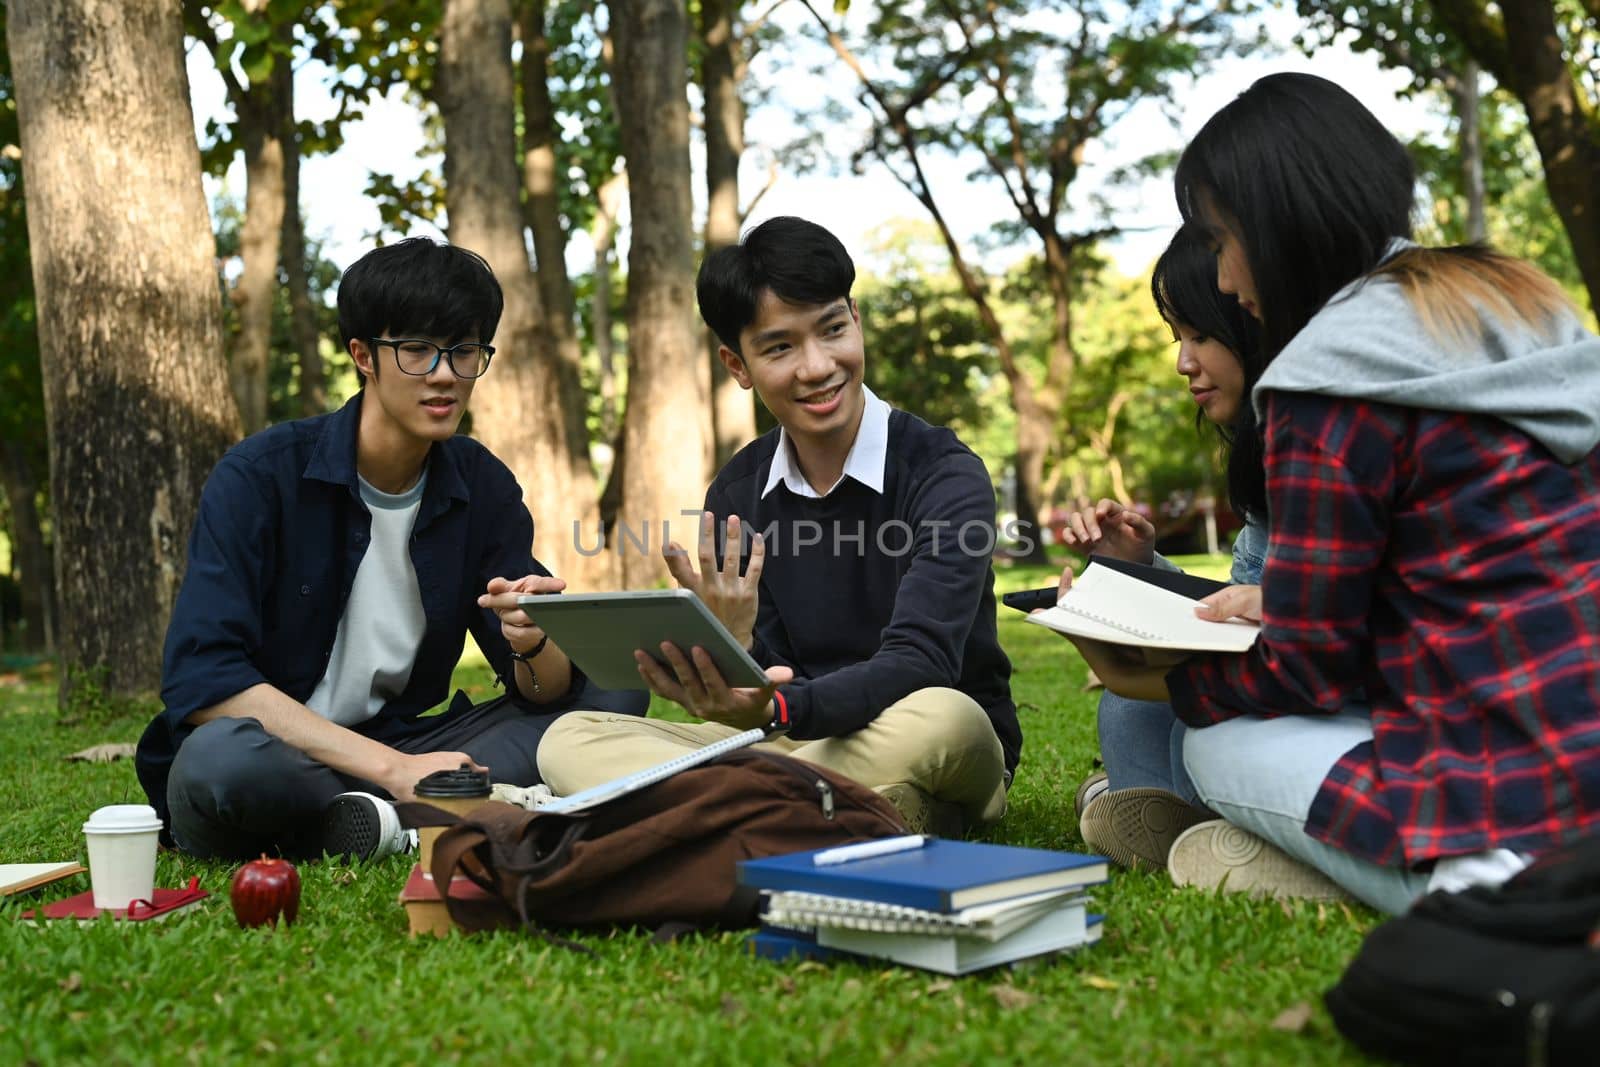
x,y
1249,554
280,532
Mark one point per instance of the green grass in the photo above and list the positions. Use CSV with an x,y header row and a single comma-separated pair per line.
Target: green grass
x,y
1180,978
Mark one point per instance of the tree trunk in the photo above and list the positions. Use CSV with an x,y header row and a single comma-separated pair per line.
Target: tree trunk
x,y
516,411
1471,139
1523,50
549,238
303,327
1035,430
1567,133
1042,411
30,556
667,425
130,334
604,239
262,119
733,413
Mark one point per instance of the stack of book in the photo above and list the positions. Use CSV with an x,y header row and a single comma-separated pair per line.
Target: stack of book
x,y
162,905
947,906
426,911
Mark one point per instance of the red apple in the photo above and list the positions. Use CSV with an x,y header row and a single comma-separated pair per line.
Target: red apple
x,y
263,889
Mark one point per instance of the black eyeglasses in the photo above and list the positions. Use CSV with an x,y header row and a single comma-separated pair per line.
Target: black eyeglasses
x,y
416,356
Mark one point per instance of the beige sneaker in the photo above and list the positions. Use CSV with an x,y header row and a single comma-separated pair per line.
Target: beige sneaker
x,y
1090,788
922,813
1137,827
1219,855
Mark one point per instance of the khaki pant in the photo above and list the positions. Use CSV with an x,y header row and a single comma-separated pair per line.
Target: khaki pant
x,y
938,740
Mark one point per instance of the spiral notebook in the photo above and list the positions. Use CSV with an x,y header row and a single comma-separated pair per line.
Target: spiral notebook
x,y
1057,930
1108,605
985,922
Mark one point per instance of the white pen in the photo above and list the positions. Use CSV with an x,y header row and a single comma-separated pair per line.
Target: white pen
x,y
828,857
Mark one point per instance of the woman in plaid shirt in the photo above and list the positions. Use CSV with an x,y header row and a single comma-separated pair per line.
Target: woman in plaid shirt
x,y
1422,710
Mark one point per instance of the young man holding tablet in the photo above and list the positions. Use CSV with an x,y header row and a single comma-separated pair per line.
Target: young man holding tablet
x,y
867,593
335,567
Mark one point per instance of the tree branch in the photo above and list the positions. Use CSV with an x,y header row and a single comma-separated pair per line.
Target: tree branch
x,y
1023,391
1483,35
206,34
772,179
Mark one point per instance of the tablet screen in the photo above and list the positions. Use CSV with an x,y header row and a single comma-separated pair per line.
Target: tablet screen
x,y
599,632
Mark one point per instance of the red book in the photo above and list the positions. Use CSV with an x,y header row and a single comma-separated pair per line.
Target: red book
x,y
164,903
426,912
421,887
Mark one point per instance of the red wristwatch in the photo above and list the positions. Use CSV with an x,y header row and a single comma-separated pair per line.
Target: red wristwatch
x,y
780,715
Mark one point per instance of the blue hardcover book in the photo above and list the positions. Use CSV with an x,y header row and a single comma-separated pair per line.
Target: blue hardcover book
x,y
940,875
784,945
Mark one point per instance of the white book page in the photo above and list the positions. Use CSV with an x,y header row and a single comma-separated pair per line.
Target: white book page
x,y
15,877
988,922
629,783
1107,605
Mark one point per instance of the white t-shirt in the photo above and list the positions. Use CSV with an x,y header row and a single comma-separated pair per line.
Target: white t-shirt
x,y
383,622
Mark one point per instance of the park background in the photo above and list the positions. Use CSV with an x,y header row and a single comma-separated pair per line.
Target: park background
x,y
180,185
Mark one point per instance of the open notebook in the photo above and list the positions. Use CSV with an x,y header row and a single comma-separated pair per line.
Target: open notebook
x,y
1108,605
21,877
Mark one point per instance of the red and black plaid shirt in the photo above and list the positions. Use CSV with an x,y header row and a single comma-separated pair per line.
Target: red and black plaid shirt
x,y
1445,569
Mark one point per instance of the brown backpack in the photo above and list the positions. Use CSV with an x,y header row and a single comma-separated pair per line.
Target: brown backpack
x,y
665,854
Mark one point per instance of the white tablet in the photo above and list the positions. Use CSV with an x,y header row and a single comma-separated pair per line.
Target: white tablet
x,y
599,632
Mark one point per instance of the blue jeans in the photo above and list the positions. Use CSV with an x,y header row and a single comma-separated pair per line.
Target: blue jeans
x,y
1141,746
1259,774
1263,774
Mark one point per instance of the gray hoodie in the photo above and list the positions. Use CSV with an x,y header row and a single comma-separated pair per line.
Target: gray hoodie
x,y
1368,343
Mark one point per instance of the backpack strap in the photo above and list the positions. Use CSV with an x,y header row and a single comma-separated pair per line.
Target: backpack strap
x,y
416,813
480,849
456,851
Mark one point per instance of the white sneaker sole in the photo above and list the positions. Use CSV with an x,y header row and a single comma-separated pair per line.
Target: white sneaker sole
x,y
1137,827
363,827
1219,855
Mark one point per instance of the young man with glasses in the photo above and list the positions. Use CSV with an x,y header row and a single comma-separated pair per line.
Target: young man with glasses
x,y
335,566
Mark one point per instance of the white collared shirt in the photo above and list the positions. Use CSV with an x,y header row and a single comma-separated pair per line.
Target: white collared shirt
x,y
865,463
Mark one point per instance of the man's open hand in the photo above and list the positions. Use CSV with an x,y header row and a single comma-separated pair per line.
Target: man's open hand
x,y
733,598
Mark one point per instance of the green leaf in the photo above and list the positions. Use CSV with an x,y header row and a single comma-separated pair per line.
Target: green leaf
x,y
256,61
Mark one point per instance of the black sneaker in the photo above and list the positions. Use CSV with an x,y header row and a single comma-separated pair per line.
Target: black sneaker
x,y
364,827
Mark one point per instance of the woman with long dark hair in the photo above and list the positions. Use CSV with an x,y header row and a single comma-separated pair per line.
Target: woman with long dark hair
x,y
1422,709
1133,810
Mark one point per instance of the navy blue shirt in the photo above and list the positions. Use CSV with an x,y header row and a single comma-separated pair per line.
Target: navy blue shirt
x,y
871,596
274,551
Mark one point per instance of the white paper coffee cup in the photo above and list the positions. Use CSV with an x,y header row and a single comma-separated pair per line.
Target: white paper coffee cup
x,y
122,854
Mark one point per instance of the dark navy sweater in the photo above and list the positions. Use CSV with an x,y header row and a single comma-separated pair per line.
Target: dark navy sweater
x,y
871,597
